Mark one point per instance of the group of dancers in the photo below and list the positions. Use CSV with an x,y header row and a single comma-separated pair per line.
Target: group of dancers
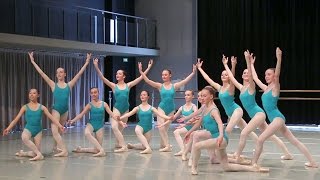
x,y
202,127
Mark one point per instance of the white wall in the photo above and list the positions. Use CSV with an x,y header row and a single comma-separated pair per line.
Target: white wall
x,y
176,38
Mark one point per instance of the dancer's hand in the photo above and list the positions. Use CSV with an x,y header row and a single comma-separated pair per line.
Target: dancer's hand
x,y
31,56
233,60
140,67
278,53
95,61
199,63
123,124
194,68
150,63
224,59
70,122
219,140
88,57
6,132
116,117
61,128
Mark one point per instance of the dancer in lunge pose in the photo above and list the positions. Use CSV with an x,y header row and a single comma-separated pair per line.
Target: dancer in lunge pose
x,y
277,120
257,115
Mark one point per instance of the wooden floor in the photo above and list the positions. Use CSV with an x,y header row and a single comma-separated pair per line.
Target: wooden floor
x,y
132,165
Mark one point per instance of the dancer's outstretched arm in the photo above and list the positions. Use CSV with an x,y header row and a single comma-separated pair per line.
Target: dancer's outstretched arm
x,y
137,80
76,77
206,77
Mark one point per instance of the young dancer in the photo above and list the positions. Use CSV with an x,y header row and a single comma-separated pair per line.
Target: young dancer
x,y
167,93
144,126
277,120
121,95
97,110
226,97
184,110
61,92
217,138
33,129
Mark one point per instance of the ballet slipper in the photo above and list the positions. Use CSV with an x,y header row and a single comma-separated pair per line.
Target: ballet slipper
x,y
101,153
146,151
166,149
311,164
287,157
178,153
37,157
62,154
123,149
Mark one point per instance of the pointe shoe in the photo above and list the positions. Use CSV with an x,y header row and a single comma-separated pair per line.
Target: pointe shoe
x,y
166,149
184,157
178,153
19,153
101,153
311,165
287,157
260,169
37,158
146,151
123,149
62,154
194,171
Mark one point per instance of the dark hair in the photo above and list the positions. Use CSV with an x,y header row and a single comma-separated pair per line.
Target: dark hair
x,y
63,69
34,89
273,69
211,90
190,91
145,91
94,88
124,72
169,71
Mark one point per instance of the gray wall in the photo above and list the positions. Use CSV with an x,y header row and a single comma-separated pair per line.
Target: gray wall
x,y
176,38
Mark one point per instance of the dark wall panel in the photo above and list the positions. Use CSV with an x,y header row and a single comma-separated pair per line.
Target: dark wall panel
x,y
56,21
7,16
40,21
70,25
84,27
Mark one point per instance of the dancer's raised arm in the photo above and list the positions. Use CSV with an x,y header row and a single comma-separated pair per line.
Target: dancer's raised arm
x,y
137,80
247,56
105,80
156,85
255,76
206,77
76,77
187,79
231,77
49,81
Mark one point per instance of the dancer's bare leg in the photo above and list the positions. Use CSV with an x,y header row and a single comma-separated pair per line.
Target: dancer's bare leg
x,y
252,125
56,134
177,134
117,133
278,124
26,139
164,133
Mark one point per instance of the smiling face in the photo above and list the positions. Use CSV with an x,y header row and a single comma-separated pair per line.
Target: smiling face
x,y
166,75
224,76
120,75
60,74
33,95
245,76
144,96
94,93
269,76
188,95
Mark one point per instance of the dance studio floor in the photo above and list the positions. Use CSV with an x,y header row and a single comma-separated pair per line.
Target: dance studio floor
x,y
131,165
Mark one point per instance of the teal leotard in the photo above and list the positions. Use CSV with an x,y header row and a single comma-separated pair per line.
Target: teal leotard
x,y
145,119
97,116
167,99
249,103
61,98
227,102
211,125
187,113
121,99
269,104
34,120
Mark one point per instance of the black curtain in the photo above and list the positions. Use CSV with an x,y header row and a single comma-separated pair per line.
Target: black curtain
x,y
229,27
